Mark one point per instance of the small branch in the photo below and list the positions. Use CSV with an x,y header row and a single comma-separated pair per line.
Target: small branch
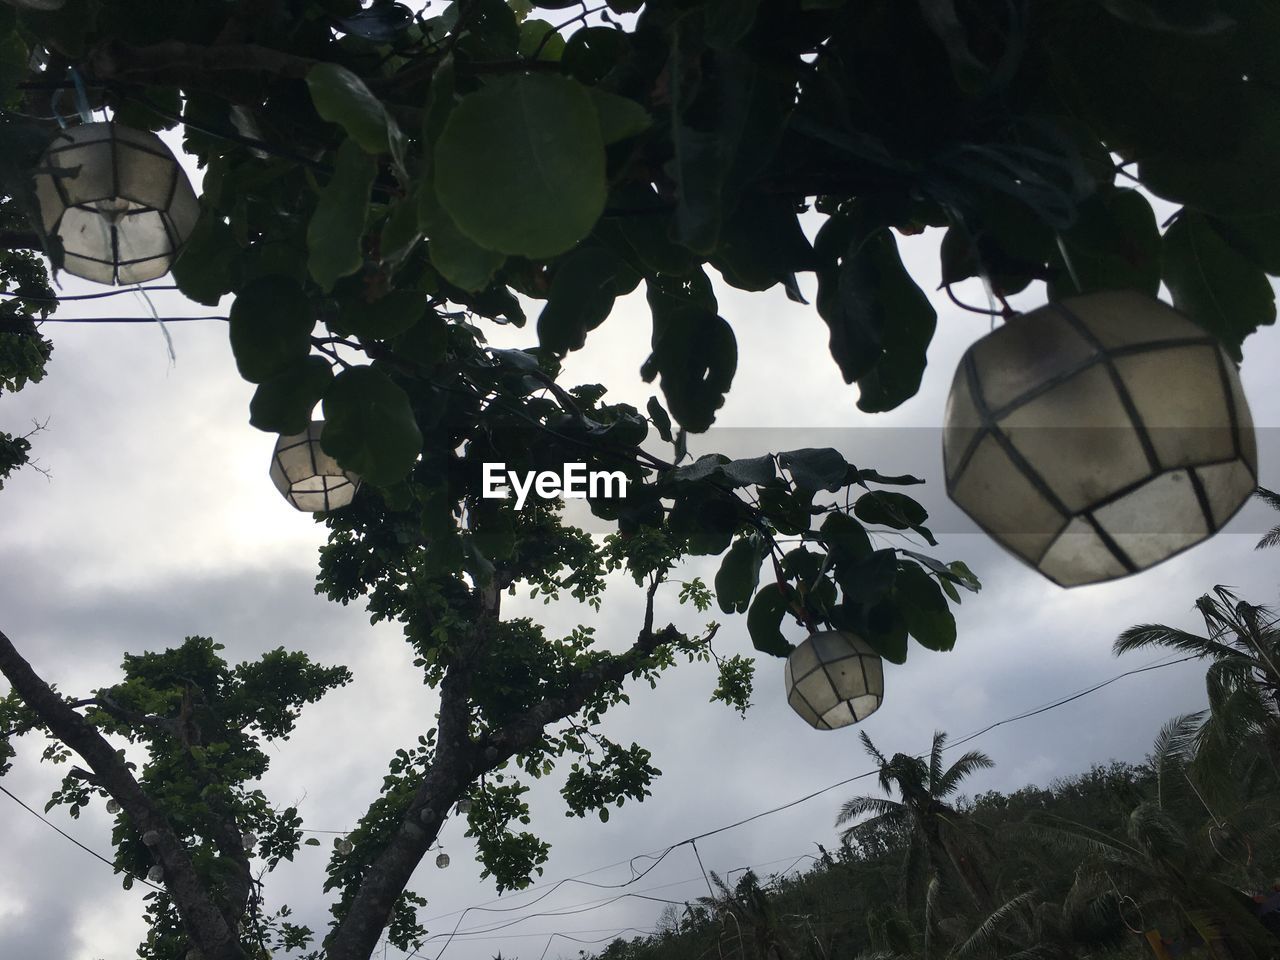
x,y
20,240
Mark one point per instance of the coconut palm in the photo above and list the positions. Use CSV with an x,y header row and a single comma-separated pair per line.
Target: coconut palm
x,y
1243,680
935,833
1166,871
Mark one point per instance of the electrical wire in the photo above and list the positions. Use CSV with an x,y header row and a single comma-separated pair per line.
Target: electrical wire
x,y
87,296
53,826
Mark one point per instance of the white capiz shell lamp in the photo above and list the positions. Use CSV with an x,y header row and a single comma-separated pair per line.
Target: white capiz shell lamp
x,y
117,199
308,477
834,679
442,860
1096,437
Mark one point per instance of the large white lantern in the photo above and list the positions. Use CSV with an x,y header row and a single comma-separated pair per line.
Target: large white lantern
x,y
308,477
1096,437
118,201
834,679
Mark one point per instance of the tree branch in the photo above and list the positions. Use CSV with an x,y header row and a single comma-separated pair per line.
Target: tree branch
x,y
203,921
20,240
176,62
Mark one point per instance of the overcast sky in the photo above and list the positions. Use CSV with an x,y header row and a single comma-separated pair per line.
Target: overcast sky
x,y
159,521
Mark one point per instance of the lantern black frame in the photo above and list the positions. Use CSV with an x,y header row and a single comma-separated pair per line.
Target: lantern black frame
x,y
1104,356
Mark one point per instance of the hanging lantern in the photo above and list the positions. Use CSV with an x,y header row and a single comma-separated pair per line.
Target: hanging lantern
x,y
1095,437
248,840
118,201
834,679
442,860
308,477
343,846
464,806
113,806
156,873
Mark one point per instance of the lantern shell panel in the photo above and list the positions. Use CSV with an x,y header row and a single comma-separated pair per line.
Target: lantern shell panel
x,y
308,477
834,678
117,199
1099,436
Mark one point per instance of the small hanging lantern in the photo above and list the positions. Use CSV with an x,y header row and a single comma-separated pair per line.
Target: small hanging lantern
x,y
442,860
248,840
156,873
1096,437
117,199
343,846
308,477
834,679
113,805
464,806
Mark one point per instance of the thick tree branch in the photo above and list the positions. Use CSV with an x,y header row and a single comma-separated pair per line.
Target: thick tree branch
x,y
177,62
203,921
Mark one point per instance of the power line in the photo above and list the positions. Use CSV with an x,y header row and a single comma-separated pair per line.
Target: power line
x,y
87,296
89,850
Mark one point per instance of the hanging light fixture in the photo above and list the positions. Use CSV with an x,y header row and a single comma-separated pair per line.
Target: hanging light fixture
x,y
442,860
248,840
834,679
113,805
117,199
308,477
464,806
156,873
343,846
1096,437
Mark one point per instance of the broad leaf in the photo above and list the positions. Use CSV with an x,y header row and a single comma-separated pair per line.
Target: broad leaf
x,y
583,290
924,608
270,326
342,97
739,573
461,261
1114,245
336,229
695,356
284,403
1216,285
764,619
519,165
369,426
385,317
205,270
815,468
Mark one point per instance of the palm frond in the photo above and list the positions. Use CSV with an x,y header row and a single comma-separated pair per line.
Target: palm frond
x,y
872,749
856,807
935,758
1159,635
984,937
1269,497
966,766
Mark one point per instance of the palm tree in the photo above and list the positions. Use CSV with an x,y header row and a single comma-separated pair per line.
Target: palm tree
x,y
1166,870
1272,499
936,834
1243,679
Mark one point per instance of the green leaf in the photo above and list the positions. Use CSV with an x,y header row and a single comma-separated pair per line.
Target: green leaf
x,y
205,270
881,323
389,315
695,356
400,233
342,97
661,419
762,245
583,290
619,117
311,842
270,325
845,538
520,165
739,573
764,619
369,426
540,37
336,229
592,52
1214,284
924,608
284,403
886,631
1114,245
888,509
459,260
815,468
